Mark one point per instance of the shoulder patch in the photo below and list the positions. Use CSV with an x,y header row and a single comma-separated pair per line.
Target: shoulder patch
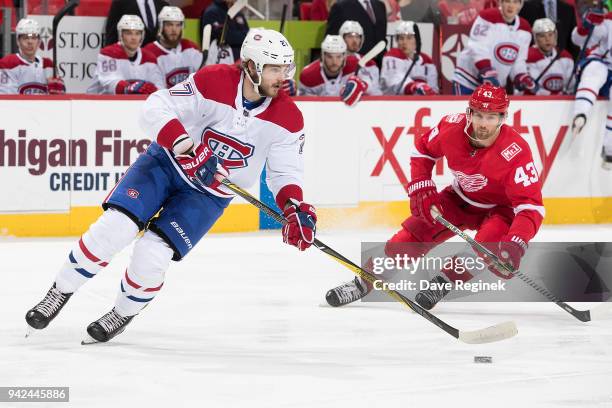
x,y
534,55
218,83
311,74
147,56
284,113
524,25
509,152
492,15
11,61
186,44
114,51
350,66
395,53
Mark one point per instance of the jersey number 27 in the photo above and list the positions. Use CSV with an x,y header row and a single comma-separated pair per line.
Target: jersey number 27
x,y
520,176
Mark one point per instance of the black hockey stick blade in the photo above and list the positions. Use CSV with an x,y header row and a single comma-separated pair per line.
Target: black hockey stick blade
x,y
582,315
491,334
56,20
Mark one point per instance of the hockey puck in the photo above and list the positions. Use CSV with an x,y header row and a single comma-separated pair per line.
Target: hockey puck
x,y
483,359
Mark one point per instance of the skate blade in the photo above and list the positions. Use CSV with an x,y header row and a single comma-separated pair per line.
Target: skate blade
x,y
88,340
29,331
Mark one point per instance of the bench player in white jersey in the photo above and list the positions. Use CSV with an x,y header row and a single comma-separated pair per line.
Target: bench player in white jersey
x,y
124,67
335,74
176,56
595,75
496,51
401,74
25,72
555,67
352,34
222,119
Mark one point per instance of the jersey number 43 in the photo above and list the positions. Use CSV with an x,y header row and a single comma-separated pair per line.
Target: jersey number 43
x,y
520,176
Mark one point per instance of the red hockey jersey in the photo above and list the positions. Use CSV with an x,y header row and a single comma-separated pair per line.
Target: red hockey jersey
x,y
501,174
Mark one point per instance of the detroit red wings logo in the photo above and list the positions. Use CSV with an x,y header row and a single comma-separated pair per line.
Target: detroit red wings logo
x,y
470,182
235,154
506,53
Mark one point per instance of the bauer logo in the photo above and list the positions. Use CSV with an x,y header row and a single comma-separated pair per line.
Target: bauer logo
x,y
132,193
506,53
233,152
509,152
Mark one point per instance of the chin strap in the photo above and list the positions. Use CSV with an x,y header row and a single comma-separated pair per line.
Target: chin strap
x,y
255,86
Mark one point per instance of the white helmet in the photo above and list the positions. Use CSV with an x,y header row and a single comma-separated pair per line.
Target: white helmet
x,y
543,25
404,27
264,46
27,26
333,44
169,13
130,22
351,27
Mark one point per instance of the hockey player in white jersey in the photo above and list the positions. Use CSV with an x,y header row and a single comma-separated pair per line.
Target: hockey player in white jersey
x,y
25,72
335,74
401,74
552,68
223,120
176,56
352,34
595,74
124,67
497,50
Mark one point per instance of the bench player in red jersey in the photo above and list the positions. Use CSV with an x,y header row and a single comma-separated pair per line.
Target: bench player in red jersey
x,y
496,191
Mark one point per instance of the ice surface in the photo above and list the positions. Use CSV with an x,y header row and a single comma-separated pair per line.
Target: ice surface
x,y
239,324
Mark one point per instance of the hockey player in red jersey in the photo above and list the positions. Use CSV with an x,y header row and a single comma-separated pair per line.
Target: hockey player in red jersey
x,y
224,119
496,191
25,72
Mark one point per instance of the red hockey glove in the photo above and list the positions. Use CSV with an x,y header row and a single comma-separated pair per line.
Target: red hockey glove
x,y
488,75
423,195
524,82
418,88
135,88
201,165
592,18
300,228
353,90
55,86
511,249
289,87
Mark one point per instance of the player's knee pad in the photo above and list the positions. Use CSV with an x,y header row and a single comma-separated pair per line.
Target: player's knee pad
x,y
150,261
594,75
112,232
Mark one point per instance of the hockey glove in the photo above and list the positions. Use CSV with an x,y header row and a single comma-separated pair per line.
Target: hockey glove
x,y
510,251
423,195
592,18
353,90
300,228
524,82
55,86
201,165
289,87
488,75
418,88
135,88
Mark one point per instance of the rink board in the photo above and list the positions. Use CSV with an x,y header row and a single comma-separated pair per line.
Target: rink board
x,y
60,156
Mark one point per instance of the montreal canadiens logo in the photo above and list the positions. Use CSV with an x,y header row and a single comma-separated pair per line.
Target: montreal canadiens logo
x,y
235,154
506,53
470,182
132,193
33,89
553,83
176,76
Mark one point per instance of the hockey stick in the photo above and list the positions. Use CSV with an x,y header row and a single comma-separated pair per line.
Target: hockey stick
x,y
491,334
596,313
283,18
417,54
56,20
231,13
205,43
537,80
370,55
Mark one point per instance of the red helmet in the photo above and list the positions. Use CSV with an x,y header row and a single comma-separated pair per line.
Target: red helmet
x,y
489,98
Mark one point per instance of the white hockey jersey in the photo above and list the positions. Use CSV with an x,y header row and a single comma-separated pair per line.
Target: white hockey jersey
x,y
395,65
494,43
209,107
114,65
313,80
556,78
177,63
600,42
19,76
